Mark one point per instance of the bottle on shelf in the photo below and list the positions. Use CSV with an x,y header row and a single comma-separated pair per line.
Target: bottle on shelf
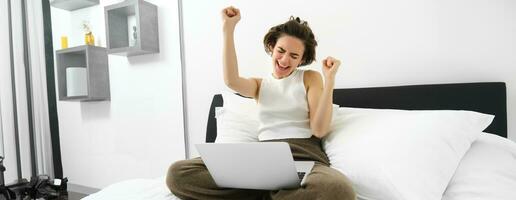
x,y
88,37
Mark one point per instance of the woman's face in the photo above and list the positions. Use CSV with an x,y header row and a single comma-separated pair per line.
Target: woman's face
x,y
286,56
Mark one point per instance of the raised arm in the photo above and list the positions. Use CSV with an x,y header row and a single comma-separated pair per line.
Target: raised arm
x,y
244,86
320,97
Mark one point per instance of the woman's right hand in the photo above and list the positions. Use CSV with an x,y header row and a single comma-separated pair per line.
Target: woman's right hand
x,y
230,17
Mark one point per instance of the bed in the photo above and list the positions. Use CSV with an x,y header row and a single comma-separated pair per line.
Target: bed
x,y
486,97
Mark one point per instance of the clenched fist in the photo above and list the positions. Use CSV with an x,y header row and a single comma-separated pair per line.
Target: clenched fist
x,y
230,17
330,67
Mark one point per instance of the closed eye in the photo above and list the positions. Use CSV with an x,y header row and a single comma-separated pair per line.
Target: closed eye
x,y
292,55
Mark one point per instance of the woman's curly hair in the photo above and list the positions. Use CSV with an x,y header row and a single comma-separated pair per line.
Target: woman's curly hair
x,y
297,28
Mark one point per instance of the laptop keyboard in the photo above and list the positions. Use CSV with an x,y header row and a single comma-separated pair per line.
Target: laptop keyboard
x,y
301,175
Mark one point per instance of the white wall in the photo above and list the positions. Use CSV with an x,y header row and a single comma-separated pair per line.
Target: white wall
x,y
380,43
137,134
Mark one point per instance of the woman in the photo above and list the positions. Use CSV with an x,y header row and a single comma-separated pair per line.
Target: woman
x,y
294,107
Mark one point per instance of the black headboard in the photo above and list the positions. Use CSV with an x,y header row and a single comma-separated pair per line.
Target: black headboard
x,y
486,97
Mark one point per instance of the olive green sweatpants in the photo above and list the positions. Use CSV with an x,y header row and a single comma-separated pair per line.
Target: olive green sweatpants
x,y
190,179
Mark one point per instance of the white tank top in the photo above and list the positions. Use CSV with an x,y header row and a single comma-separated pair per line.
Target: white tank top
x,y
283,108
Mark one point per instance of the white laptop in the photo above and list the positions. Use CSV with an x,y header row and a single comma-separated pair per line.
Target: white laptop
x,y
259,165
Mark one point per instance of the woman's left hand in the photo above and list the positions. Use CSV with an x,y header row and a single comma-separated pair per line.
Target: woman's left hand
x,y
330,67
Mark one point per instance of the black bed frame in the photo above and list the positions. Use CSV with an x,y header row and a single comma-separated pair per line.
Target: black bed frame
x,y
485,97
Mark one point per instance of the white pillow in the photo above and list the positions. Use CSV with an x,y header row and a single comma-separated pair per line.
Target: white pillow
x,y
487,171
237,120
240,105
399,154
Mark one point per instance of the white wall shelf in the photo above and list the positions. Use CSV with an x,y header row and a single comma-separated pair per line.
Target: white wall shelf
x,y
95,60
71,5
132,28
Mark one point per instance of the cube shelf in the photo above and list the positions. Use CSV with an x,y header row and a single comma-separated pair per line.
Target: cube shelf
x,y
96,79
132,28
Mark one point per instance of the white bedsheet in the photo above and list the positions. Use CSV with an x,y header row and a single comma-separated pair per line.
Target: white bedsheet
x,y
136,189
487,171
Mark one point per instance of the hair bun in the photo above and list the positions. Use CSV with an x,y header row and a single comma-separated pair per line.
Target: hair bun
x,y
297,19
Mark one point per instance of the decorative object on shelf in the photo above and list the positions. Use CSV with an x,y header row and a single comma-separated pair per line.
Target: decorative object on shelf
x,y
76,81
64,42
88,36
135,37
82,73
89,39
71,5
132,28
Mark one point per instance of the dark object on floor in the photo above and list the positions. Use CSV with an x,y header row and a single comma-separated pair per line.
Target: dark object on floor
x,y
39,187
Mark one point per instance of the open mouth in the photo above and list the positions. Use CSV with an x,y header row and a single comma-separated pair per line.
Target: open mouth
x,y
281,68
